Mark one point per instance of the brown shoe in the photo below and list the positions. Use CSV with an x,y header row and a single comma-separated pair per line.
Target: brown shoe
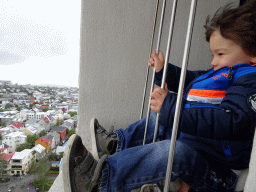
x,y
103,142
81,172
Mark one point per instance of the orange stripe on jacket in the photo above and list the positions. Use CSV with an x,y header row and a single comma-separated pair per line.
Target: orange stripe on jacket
x,y
207,93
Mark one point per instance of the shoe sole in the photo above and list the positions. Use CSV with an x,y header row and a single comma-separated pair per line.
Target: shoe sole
x,y
94,150
65,165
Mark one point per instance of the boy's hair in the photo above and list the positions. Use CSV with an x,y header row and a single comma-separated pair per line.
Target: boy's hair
x,y
237,24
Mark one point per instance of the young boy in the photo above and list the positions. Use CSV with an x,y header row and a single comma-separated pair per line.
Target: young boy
x,y
216,127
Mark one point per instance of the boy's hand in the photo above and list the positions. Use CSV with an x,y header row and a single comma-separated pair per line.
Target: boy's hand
x,y
157,98
156,60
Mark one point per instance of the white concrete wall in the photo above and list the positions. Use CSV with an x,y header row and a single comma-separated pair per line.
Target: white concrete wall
x,y
115,44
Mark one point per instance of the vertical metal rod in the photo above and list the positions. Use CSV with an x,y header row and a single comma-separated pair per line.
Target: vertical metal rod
x,y
174,6
154,71
151,48
180,94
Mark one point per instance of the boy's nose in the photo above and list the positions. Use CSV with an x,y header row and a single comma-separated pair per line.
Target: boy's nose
x,y
214,62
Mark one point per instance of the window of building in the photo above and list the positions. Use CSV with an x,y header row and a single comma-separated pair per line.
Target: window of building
x,y
16,167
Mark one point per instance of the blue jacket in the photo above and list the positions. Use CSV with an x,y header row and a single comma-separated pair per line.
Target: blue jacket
x,y
218,107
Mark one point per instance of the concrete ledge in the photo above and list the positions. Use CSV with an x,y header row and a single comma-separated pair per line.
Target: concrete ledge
x,y
57,185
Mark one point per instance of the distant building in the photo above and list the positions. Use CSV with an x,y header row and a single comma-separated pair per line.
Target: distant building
x,y
40,151
3,83
45,142
17,126
61,130
45,123
69,123
4,149
8,157
14,139
56,135
4,131
50,137
21,161
30,130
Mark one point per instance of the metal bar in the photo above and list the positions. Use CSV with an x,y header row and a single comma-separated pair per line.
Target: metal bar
x,y
174,6
180,94
153,77
151,48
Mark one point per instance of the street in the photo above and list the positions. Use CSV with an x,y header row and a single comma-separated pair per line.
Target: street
x,y
17,182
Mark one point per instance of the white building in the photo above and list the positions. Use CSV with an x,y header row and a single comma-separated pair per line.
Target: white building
x,y
37,95
4,148
40,115
69,123
58,117
4,131
3,82
40,151
4,103
25,112
21,161
33,130
14,139
34,115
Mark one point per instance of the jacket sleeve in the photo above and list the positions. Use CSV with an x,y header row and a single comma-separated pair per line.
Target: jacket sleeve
x,y
173,77
233,119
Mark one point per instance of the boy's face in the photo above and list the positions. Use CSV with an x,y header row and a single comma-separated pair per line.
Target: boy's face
x,y
226,52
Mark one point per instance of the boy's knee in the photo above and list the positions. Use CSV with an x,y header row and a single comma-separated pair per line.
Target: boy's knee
x,y
184,158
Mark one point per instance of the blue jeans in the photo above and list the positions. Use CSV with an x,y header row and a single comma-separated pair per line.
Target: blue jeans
x,y
135,164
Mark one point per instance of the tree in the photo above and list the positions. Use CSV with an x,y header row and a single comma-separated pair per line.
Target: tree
x,y
23,146
32,167
57,123
31,139
71,132
3,165
45,109
3,124
8,105
42,170
18,108
55,157
42,133
52,157
72,114
1,137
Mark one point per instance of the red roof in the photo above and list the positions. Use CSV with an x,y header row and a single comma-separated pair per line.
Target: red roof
x,y
44,140
7,156
17,124
46,120
2,149
30,98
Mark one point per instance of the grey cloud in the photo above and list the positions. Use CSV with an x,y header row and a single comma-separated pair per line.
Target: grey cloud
x,y
21,38
7,58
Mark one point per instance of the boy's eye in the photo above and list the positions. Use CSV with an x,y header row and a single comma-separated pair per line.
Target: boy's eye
x,y
220,54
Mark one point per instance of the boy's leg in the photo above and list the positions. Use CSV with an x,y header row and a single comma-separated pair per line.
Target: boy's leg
x,y
133,135
104,142
131,168
81,172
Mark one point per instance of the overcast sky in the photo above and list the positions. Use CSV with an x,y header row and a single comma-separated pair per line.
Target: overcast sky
x,y
39,41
